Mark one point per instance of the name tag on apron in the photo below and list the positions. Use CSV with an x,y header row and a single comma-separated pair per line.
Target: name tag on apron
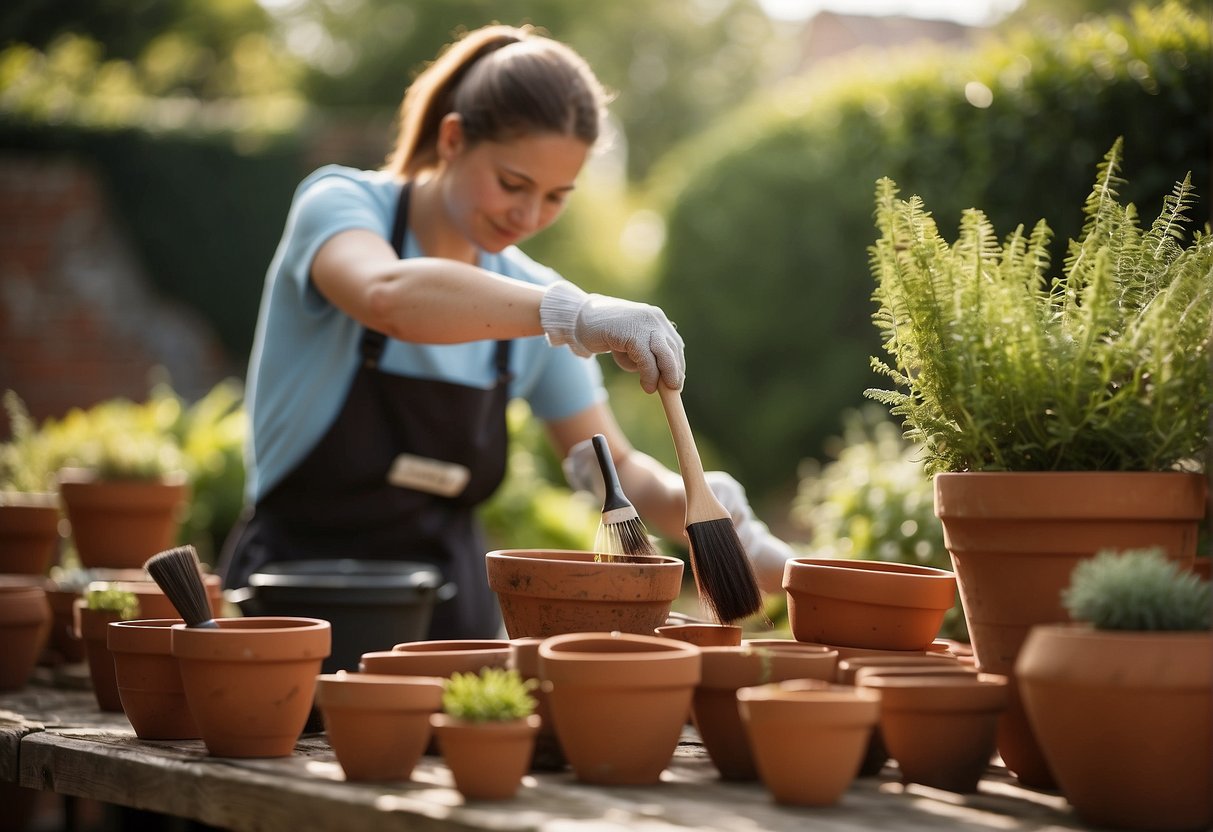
x,y
433,476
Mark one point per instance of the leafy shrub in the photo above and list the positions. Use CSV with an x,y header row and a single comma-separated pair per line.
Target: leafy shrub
x,y
27,461
1137,589
101,596
492,695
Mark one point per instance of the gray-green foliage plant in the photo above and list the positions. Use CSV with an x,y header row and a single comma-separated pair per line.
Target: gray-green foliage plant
x,y
999,366
492,695
1137,589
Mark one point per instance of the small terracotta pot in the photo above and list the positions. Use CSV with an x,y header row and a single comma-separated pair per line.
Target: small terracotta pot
x,y
941,728
63,639
486,759
725,670
121,523
148,679
437,658
25,622
807,737
154,604
250,683
848,668
702,635
29,533
91,628
524,657
619,701
549,592
377,725
867,603
845,653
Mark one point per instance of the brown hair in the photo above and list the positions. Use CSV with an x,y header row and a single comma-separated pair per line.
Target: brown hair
x,y
503,82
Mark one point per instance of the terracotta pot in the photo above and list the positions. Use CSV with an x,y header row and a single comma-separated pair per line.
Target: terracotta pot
x,y
63,639
619,701
703,635
486,759
549,592
250,683
121,523
847,668
377,725
1014,539
940,728
437,658
1125,720
149,680
524,657
25,621
92,630
867,603
845,653
807,737
714,705
153,603
29,533
1203,567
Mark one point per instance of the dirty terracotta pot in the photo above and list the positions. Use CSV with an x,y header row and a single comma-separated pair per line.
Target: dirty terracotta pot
x,y
487,759
867,603
940,727
148,679
807,737
91,627
250,683
714,705
25,622
703,635
377,725
121,523
619,701
524,657
549,592
1014,538
29,533
1125,720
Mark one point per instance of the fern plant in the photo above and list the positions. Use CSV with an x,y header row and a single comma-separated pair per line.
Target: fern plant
x,y
1137,589
999,367
492,695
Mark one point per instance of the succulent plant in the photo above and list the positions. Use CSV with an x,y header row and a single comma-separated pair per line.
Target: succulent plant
x,y
492,695
1137,589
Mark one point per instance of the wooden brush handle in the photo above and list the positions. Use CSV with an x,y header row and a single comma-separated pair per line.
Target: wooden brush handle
x,y
701,502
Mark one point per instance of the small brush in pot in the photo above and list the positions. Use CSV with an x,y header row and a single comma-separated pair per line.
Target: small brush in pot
x,y
620,531
177,573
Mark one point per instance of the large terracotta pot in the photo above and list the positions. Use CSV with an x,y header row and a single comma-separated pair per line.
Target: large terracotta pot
x,y
251,682
1125,720
149,680
487,759
377,725
549,592
808,737
619,701
121,523
25,621
1015,537
91,629
714,706
866,603
29,533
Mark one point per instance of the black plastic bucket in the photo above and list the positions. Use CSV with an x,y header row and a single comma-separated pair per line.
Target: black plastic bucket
x,y
371,604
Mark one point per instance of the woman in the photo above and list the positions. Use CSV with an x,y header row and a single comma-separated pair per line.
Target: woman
x,y
398,318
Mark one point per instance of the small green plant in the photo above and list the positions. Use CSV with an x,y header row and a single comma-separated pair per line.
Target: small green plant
x,y
1137,589
492,695
27,461
126,604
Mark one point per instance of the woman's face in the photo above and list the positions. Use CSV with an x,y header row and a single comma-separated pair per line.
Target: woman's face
x,y
498,194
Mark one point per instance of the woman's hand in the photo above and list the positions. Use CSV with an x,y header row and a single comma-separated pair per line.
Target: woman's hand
x,y
640,336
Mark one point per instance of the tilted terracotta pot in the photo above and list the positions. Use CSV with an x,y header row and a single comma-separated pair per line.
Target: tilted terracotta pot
x,y
486,759
866,603
619,701
25,621
1014,538
149,680
549,592
250,683
377,725
1125,720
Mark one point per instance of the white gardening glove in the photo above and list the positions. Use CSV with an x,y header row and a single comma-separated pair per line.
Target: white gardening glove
x,y
640,336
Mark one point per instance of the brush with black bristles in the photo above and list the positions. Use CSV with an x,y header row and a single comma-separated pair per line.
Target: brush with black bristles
x,y
620,531
177,573
723,574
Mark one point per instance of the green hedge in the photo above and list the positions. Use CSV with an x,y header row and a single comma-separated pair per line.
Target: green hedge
x,y
765,266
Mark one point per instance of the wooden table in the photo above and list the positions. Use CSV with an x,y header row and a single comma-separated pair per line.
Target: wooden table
x,y
56,739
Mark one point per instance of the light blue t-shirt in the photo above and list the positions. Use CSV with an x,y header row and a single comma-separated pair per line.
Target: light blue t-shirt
x,y
305,351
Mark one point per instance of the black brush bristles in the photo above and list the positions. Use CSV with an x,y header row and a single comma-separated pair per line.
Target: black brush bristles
x,y
620,531
723,574
177,572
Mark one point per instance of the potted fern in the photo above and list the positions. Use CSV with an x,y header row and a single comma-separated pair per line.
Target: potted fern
x,y
1122,703
29,506
486,731
1059,414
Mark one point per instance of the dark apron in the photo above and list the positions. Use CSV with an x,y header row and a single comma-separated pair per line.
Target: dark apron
x,y
338,502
